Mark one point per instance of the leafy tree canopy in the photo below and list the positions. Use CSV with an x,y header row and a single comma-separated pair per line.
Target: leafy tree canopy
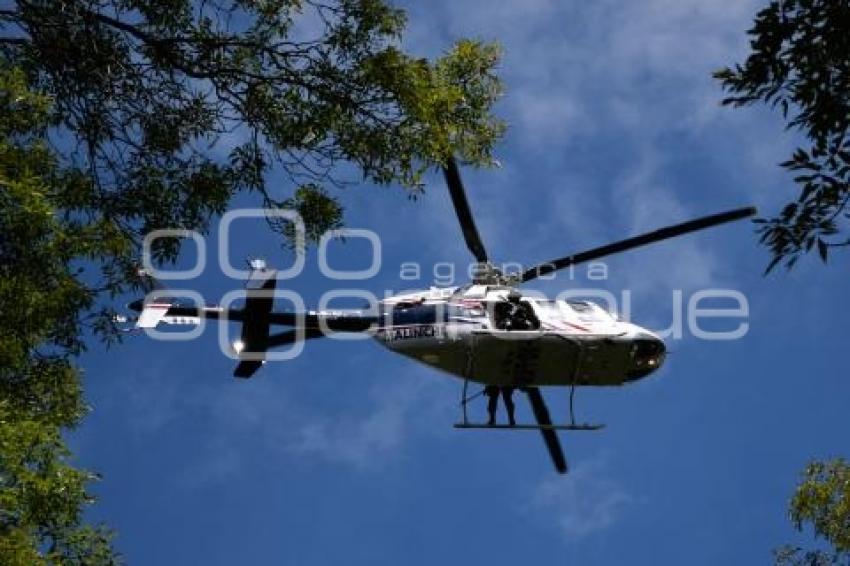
x,y
800,64
170,107
41,494
822,501
118,117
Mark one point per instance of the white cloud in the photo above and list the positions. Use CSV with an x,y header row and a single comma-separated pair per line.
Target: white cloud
x,y
579,73
371,436
583,502
572,68
650,204
147,395
364,439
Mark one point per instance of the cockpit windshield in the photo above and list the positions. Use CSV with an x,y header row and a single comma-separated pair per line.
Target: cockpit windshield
x,y
585,310
589,309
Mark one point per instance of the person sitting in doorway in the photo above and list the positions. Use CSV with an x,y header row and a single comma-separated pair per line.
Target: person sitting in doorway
x,y
515,314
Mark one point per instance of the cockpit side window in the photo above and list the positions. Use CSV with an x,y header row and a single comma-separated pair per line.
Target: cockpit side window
x,y
406,314
470,310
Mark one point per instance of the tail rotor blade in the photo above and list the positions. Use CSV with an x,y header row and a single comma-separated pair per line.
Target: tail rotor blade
x,y
550,437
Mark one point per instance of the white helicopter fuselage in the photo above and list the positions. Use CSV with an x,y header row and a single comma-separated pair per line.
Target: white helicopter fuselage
x,y
457,331
463,331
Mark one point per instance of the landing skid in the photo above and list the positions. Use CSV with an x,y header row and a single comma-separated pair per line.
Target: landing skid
x,y
466,424
529,426
544,424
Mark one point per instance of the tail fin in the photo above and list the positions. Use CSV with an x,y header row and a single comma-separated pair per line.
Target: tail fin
x,y
153,308
152,314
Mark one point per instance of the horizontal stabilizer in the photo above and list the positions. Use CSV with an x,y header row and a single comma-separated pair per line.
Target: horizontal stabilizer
x,y
255,322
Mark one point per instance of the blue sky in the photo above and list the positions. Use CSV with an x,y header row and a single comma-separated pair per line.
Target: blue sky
x,y
346,454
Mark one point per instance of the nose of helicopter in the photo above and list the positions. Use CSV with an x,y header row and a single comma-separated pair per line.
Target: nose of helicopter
x,y
647,355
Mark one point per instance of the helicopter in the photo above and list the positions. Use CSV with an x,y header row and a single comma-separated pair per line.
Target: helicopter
x,y
486,332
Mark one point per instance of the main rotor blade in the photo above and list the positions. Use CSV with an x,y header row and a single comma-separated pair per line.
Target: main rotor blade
x,y
638,241
464,213
247,368
550,437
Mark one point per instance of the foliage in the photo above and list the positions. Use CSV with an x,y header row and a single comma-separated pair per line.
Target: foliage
x,y
183,104
822,500
118,117
171,107
800,64
41,495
